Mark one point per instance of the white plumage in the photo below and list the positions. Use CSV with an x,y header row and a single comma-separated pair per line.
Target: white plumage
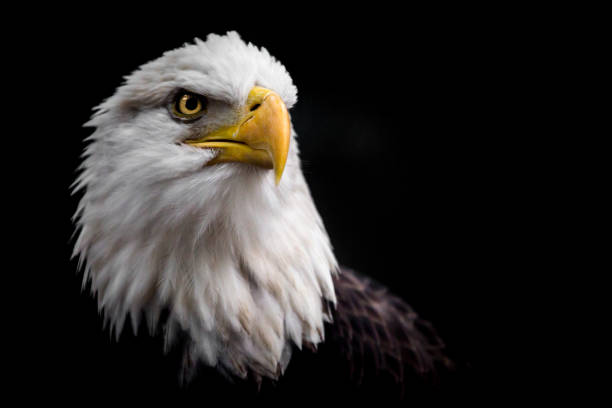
x,y
243,266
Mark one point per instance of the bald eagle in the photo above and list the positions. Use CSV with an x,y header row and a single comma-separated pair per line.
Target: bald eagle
x,y
196,219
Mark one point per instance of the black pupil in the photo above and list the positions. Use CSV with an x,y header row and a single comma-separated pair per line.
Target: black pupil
x,y
192,103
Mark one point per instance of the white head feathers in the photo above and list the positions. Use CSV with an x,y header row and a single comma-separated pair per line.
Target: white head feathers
x,y
244,267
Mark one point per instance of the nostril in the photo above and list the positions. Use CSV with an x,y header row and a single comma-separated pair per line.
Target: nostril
x,y
257,105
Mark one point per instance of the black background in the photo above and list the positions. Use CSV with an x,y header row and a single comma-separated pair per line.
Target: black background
x,y
408,130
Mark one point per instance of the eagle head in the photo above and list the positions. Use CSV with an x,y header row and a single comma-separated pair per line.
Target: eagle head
x,y
194,204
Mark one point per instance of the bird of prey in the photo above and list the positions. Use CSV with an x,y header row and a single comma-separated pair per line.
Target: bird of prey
x,y
195,218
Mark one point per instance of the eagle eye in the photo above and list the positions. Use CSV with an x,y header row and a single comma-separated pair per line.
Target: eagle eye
x,y
188,105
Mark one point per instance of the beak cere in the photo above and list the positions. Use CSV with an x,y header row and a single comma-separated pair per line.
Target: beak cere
x,y
260,137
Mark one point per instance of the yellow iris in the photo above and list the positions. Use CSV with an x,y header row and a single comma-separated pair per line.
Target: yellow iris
x,y
188,105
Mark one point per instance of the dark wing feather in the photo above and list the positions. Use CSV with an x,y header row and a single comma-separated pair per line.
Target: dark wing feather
x,y
379,333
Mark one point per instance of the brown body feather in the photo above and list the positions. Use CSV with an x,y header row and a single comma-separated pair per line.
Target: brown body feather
x,y
380,334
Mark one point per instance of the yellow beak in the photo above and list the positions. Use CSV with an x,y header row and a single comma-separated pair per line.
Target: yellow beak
x,y
260,136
